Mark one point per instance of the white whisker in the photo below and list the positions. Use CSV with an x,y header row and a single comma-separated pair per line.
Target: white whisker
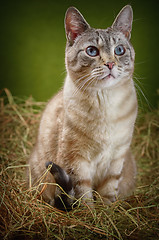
x,y
89,84
137,63
97,72
139,90
81,78
81,85
78,81
85,82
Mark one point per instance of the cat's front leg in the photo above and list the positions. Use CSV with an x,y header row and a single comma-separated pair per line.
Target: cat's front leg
x,y
120,180
82,181
109,186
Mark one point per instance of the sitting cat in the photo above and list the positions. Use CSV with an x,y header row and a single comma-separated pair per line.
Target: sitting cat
x,y
86,129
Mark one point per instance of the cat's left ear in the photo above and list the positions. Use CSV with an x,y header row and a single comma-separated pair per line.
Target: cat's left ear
x,y
75,24
123,21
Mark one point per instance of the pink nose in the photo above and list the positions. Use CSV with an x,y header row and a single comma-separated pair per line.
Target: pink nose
x,y
110,65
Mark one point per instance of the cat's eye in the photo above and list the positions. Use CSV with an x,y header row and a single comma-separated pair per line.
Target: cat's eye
x,y
119,50
92,51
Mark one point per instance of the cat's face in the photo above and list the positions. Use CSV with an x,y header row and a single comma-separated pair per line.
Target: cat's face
x,y
95,58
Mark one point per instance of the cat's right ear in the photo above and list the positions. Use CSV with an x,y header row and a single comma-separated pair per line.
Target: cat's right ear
x,y
75,24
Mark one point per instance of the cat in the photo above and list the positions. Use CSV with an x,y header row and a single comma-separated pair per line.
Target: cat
x,y
85,133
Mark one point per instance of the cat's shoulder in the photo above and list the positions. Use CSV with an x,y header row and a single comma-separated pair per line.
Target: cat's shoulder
x,y
53,108
55,101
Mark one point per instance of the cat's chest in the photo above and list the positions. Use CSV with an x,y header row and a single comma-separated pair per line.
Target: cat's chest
x,y
114,129
110,121
107,119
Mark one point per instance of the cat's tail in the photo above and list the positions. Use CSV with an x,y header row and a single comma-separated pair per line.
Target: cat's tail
x,y
64,193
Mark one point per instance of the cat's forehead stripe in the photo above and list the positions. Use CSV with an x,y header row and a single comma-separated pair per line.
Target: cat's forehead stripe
x,y
105,39
114,40
100,41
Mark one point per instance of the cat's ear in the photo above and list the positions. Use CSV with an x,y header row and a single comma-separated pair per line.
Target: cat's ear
x,y
75,24
123,21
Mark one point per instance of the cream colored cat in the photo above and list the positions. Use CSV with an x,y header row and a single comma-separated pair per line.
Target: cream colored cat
x,y
86,129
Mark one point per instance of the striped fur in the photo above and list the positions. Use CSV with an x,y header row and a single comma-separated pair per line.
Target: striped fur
x,y
87,128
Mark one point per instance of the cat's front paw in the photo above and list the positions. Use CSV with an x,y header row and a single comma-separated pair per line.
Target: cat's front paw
x,y
109,199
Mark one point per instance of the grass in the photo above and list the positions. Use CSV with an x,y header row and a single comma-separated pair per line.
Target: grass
x,y
24,215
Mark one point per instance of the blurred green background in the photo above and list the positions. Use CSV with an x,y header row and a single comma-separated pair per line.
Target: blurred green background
x,y
32,42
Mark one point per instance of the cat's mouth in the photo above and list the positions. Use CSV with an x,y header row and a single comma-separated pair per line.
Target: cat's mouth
x,y
110,75
107,77
104,76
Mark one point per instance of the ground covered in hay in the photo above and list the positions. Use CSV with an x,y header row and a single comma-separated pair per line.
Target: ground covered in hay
x,y
23,215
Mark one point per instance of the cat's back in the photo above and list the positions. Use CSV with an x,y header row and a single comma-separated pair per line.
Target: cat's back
x,y
51,123
46,146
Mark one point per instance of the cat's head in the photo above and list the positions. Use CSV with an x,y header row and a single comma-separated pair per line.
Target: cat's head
x,y
99,58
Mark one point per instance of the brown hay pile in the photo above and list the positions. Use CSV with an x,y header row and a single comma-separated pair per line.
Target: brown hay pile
x,y
22,214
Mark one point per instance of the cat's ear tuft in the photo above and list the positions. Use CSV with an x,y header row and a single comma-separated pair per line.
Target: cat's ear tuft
x,y
123,21
75,24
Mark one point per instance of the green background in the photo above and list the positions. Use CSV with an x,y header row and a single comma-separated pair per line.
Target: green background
x,y
32,42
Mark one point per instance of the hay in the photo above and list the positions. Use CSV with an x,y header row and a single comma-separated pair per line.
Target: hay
x,y
22,214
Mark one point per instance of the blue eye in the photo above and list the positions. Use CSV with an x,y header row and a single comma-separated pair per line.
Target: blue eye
x,y
92,51
119,50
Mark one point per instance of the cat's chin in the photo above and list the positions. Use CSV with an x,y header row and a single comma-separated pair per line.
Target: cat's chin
x,y
109,82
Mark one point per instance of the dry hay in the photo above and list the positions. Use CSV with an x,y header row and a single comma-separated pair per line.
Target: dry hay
x,y
22,214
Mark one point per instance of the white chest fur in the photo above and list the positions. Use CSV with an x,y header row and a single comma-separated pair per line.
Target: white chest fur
x,y
107,117
118,108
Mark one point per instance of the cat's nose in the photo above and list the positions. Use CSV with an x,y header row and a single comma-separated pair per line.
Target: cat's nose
x,y
110,65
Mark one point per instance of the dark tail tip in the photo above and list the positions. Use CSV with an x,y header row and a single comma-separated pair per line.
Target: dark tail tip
x,y
61,177
62,200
